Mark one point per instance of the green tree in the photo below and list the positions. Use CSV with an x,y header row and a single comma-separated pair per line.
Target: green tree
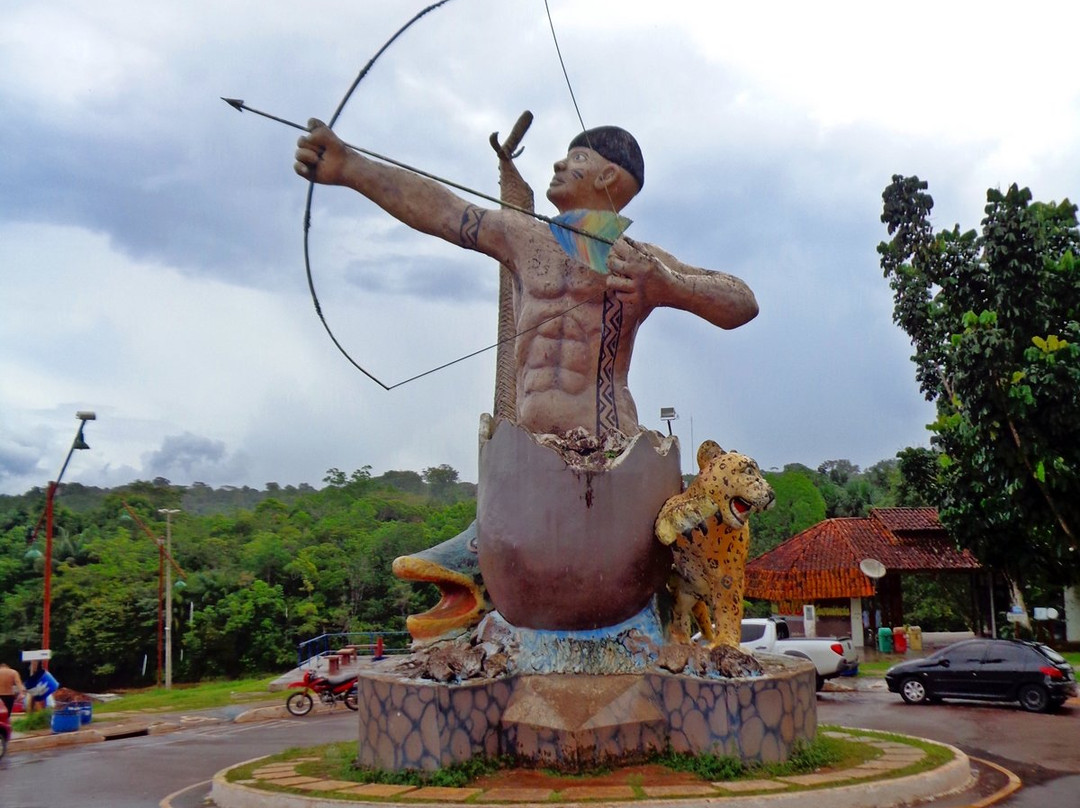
x,y
850,492
939,602
403,481
799,505
442,480
919,484
993,318
838,471
241,632
263,570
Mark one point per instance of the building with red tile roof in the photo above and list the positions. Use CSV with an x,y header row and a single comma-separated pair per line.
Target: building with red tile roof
x,y
822,563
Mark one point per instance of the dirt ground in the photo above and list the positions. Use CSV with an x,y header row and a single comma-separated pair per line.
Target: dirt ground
x,y
624,775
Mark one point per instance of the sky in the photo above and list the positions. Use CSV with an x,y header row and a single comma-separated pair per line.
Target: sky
x,y
151,263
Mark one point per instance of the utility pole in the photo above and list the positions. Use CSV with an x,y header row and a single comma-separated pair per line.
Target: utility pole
x,y
168,594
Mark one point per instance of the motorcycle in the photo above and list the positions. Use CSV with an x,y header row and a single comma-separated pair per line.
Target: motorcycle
x,y
328,690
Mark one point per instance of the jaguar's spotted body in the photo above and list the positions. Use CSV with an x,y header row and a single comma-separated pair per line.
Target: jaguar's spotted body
x,y
706,528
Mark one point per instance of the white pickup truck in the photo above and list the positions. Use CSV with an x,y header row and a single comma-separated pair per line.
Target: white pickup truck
x,y
832,656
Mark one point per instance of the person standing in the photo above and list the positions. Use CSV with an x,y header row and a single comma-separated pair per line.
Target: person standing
x,y
40,684
11,686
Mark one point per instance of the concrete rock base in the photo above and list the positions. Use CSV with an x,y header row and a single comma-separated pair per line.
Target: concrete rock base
x,y
576,721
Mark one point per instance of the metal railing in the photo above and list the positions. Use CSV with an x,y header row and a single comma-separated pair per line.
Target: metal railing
x,y
365,642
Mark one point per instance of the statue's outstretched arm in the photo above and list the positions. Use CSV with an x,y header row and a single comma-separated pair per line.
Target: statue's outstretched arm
x,y
421,203
658,278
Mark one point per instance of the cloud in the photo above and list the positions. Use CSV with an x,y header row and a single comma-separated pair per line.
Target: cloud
x,y
151,262
193,457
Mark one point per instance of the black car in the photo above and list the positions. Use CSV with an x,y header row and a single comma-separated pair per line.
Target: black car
x,y
990,670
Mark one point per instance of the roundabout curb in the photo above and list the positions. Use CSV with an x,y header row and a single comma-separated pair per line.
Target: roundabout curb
x,y
881,792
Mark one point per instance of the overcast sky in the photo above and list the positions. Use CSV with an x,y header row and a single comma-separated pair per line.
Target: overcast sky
x,y
151,261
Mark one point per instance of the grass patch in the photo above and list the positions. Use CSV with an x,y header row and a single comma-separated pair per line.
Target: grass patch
x,y
337,761
39,719
877,667
188,697
823,752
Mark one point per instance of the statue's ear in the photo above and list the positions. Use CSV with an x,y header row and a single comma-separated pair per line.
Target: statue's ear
x,y
708,450
607,177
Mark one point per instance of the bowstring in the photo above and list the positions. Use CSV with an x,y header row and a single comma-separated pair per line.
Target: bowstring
x,y
611,419
611,202
311,188
573,95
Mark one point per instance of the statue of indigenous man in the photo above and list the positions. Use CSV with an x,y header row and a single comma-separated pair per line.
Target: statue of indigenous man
x,y
570,485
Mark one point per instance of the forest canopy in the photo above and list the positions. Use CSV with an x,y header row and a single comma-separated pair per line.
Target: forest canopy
x,y
264,570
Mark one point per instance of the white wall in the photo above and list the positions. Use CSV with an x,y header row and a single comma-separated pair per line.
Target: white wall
x,y
857,632
1072,614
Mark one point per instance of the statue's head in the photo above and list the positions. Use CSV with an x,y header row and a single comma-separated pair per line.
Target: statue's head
x,y
617,145
603,169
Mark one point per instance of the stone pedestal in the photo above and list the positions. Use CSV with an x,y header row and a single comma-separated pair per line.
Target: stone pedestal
x,y
575,721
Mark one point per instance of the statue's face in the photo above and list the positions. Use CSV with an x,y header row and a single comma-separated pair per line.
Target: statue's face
x,y
577,181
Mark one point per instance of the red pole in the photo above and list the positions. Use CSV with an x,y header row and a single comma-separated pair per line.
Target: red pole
x,y
78,443
50,494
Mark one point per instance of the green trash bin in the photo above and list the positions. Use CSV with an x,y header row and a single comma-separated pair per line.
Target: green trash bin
x,y
884,640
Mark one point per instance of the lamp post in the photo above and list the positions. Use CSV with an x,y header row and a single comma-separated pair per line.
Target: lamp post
x,y
78,443
168,594
668,414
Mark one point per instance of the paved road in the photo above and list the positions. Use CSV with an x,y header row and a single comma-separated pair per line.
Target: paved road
x,y
139,772
1040,748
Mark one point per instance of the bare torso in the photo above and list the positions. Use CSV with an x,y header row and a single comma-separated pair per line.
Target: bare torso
x,y
9,682
560,322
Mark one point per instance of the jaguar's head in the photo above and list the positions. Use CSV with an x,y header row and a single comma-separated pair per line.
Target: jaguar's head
x,y
734,482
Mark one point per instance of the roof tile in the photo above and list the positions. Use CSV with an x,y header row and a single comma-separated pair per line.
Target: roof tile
x,y
823,561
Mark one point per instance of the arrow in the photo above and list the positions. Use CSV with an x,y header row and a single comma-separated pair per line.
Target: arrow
x,y
239,105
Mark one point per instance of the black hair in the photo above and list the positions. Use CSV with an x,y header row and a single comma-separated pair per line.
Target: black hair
x,y
617,145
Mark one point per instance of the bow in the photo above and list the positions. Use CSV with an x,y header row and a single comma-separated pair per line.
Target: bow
x,y
586,235
311,190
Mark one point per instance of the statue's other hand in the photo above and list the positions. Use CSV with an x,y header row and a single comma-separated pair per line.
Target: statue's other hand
x,y
634,274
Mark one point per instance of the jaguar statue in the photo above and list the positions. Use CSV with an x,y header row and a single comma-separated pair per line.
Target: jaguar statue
x,y
706,528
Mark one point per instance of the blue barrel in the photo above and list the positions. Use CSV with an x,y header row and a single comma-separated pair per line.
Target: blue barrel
x,y
65,719
86,711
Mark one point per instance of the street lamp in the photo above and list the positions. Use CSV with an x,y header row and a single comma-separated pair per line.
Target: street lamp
x,y
168,594
78,443
668,414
